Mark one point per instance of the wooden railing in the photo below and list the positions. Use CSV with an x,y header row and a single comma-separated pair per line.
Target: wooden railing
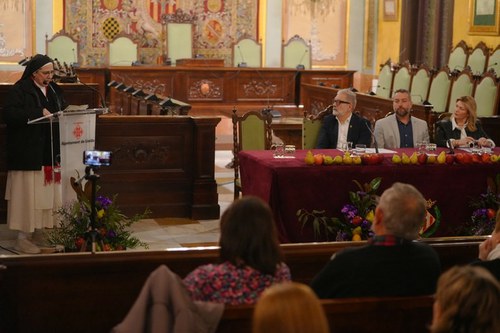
x,y
82,292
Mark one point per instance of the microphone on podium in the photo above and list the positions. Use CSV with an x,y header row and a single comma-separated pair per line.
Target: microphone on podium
x,y
101,97
242,63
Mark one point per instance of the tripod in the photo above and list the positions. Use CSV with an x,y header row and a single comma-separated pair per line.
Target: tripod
x,y
92,237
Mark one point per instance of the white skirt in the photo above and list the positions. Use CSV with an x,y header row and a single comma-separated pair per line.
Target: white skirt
x,y
30,202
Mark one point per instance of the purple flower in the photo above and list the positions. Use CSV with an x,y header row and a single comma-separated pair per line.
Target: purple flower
x,y
104,202
349,211
366,224
111,234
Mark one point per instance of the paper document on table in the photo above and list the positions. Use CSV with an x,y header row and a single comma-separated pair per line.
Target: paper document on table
x,y
76,107
380,151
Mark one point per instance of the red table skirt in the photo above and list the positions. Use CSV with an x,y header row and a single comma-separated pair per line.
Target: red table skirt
x,y
289,185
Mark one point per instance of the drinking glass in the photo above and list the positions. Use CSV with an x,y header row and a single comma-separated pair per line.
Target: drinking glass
x,y
360,149
290,151
347,146
278,149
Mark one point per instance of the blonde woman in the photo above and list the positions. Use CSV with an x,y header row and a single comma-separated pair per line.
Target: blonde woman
x,y
289,307
463,129
467,300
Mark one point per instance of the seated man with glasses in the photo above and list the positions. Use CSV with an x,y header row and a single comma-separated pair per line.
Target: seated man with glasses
x,y
343,125
401,130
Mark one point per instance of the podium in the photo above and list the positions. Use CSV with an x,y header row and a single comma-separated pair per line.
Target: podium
x,y
77,134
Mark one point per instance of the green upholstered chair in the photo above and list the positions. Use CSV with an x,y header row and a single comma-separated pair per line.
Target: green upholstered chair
x,y
247,51
420,83
477,58
487,95
385,80
494,61
402,78
310,131
296,52
123,51
62,47
440,90
458,57
251,131
178,29
461,85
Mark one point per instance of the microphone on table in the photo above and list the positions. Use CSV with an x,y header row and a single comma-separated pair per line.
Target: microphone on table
x,y
450,145
373,135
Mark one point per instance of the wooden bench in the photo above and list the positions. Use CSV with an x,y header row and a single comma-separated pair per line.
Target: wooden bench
x,y
82,292
356,315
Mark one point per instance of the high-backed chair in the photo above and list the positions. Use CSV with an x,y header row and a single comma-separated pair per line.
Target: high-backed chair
x,y
122,50
63,47
178,29
247,53
494,61
420,83
311,127
385,80
251,131
461,85
296,53
402,78
440,90
487,95
478,58
458,57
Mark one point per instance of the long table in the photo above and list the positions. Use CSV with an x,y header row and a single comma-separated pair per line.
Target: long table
x,y
289,185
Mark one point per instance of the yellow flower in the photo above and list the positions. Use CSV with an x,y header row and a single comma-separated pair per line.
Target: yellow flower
x,y
357,231
356,237
370,216
100,214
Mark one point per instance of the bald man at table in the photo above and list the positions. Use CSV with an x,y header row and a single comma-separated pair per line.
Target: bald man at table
x,y
343,125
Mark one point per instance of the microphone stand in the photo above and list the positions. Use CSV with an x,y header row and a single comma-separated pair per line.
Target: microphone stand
x,y
374,139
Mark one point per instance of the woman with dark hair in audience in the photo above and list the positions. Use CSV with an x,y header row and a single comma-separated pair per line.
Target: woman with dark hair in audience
x,y
463,129
251,258
289,308
467,301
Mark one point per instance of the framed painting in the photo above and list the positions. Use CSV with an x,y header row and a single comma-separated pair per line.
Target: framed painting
x,y
484,17
390,10
16,32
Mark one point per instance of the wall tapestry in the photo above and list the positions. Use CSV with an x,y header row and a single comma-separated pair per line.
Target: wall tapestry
x,y
219,24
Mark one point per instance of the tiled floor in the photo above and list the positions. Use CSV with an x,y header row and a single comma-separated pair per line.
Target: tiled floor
x,y
163,233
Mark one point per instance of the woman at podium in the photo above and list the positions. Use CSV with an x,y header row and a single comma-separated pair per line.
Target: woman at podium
x,y
33,189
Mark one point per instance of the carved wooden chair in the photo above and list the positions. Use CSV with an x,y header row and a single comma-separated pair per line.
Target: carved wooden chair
x,y
402,78
296,53
122,50
251,131
247,51
310,128
420,83
63,47
494,61
178,29
385,80
440,90
487,95
458,56
478,58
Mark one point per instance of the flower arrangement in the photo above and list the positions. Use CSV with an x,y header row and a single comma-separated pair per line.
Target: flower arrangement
x,y
485,207
111,226
357,216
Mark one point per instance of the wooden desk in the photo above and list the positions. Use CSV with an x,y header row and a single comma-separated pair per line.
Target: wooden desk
x,y
289,185
200,62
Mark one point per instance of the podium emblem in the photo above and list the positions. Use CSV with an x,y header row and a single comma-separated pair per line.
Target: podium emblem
x,y
78,131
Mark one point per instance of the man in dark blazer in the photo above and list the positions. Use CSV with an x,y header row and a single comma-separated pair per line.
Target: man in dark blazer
x,y
343,125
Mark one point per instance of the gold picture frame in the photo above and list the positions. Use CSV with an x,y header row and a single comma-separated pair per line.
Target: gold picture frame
x,y
484,17
390,10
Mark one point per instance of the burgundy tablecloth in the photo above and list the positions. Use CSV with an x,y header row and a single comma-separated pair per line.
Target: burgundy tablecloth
x,y
289,185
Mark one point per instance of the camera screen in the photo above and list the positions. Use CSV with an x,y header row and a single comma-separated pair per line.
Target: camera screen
x,y
96,158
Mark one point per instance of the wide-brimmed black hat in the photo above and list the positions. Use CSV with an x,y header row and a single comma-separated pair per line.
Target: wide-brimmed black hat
x,y
35,63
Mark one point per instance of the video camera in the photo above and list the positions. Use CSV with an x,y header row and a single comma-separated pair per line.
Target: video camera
x,y
96,158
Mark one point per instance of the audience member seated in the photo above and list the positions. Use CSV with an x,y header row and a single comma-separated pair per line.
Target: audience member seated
x,y
467,300
289,307
400,129
463,129
343,125
250,255
392,264
489,251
